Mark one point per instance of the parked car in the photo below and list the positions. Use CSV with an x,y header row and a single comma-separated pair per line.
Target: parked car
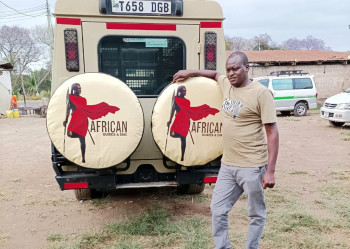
x,y
336,109
293,91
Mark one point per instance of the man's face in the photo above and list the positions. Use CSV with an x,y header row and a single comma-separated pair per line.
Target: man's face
x,y
182,92
236,71
79,89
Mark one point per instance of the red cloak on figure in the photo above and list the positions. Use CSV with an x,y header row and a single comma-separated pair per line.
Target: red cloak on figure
x,y
181,123
79,120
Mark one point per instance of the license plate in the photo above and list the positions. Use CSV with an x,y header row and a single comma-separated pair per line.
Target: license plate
x,y
141,7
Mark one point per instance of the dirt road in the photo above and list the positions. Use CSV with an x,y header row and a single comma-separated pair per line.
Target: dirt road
x,y
32,206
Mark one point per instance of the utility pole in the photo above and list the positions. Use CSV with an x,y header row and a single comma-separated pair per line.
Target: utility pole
x,y
49,29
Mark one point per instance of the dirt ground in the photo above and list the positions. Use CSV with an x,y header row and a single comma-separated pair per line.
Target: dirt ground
x,y
33,207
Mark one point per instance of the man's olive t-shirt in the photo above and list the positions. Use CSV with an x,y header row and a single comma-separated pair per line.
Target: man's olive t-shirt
x,y
245,111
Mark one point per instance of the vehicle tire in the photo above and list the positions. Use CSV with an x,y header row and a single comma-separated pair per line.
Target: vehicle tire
x,y
285,113
191,188
83,194
300,109
336,124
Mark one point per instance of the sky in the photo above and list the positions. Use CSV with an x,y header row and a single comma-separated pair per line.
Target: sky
x,y
328,20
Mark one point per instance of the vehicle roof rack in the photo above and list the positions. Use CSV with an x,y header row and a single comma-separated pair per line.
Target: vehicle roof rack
x,y
288,72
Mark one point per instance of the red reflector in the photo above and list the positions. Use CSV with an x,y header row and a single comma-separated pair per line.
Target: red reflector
x,y
141,26
211,179
209,25
71,54
75,185
211,52
316,95
68,21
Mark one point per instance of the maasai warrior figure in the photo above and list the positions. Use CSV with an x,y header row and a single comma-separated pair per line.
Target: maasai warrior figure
x,y
184,112
78,125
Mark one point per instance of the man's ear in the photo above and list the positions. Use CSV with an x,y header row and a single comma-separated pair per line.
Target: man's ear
x,y
247,67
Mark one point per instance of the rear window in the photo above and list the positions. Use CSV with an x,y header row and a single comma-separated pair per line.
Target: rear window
x,y
303,83
282,84
145,64
264,82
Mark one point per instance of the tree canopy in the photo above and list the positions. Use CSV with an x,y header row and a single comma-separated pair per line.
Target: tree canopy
x,y
265,42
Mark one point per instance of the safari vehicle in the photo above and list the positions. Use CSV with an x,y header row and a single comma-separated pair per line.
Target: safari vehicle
x,y
336,109
293,91
142,43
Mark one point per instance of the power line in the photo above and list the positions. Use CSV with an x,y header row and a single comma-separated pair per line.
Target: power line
x,y
33,14
28,9
5,15
19,18
15,9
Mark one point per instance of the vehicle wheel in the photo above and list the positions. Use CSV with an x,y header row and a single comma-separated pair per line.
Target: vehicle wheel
x,y
83,194
300,109
336,124
285,113
191,188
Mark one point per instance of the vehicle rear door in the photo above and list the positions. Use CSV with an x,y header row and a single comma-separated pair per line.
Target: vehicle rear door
x,y
143,55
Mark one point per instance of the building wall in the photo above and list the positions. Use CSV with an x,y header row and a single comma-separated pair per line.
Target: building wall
x,y
329,79
5,91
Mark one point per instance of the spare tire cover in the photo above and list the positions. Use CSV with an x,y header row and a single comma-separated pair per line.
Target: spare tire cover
x,y
105,119
194,134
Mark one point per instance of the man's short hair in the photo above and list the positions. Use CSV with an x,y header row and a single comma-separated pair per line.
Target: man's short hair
x,y
243,56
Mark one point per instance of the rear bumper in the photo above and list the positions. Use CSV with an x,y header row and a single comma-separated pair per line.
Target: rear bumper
x,y
70,180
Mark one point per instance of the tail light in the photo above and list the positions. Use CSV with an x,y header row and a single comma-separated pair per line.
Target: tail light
x,y
72,52
210,50
316,95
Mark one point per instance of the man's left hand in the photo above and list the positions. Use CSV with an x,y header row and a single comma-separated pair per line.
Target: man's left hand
x,y
268,180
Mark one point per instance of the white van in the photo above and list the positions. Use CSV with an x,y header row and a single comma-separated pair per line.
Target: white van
x,y
141,43
293,91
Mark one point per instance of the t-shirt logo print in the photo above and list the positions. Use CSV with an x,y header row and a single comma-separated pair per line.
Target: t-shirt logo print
x,y
232,107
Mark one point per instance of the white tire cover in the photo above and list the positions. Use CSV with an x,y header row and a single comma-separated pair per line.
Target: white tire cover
x,y
113,115
201,111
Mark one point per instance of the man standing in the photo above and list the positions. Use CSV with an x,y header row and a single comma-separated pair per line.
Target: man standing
x,y
249,159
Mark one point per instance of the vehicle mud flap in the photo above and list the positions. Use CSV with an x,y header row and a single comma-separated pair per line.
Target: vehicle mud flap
x,y
187,122
95,120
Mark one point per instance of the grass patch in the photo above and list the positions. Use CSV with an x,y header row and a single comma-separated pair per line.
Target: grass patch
x,y
292,222
153,222
154,228
101,202
55,237
4,239
336,198
299,172
292,118
345,134
341,175
4,196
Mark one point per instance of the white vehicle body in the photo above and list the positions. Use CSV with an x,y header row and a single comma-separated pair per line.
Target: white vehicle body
x,y
336,109
292,90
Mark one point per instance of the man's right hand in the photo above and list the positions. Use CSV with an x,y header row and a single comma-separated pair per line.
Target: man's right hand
x,y
182,75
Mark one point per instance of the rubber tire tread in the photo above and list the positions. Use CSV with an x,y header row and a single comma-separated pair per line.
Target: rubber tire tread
x,y
191,188
336,124
83,194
